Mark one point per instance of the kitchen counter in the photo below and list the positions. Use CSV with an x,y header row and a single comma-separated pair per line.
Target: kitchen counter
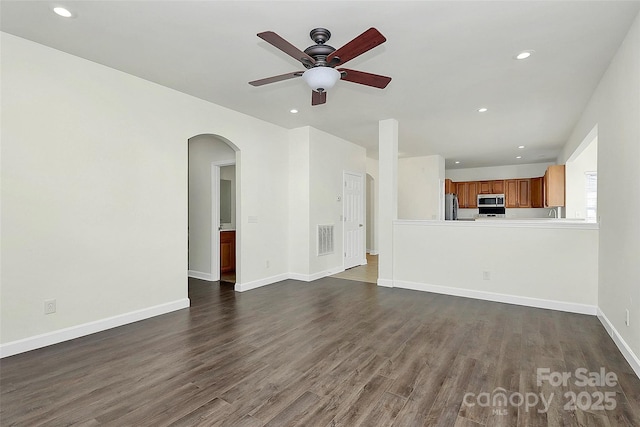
x,y
567,223
547,263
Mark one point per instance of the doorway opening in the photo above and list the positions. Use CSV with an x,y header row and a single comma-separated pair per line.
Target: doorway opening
x,y
224,181
214,194
361,257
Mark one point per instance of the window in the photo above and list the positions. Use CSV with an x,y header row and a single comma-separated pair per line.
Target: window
x,y
591,187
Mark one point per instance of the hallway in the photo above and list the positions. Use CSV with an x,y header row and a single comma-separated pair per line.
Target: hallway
x,y
364,273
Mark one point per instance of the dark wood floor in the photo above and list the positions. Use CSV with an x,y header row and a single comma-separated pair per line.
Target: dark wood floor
x,y
327,353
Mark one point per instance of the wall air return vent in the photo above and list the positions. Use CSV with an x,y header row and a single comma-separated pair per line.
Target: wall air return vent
x,y
325,239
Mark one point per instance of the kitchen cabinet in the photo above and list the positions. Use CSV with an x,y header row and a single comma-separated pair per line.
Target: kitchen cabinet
x,y
554,186
511,193
497,186
449,186
491,187
467,194
537,192
472,194
518,193
227,251
524,193
461,191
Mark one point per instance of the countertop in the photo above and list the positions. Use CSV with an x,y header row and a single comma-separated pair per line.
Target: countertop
x,y
568,223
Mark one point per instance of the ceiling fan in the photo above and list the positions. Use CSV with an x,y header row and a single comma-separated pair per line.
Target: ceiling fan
x,y
321,59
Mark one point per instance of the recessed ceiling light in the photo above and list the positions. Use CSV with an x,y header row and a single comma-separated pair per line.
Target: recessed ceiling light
x,y
521,146
293,111
65,13
518,157
482,110
524,54
457,162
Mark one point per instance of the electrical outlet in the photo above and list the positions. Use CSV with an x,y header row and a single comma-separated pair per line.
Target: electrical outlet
x,y
49,306
267,264
486,275
626,319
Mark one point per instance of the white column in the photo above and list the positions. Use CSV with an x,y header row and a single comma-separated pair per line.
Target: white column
x,y
388,197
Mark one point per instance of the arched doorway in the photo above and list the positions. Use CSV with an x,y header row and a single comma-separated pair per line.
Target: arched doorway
x,y
214,196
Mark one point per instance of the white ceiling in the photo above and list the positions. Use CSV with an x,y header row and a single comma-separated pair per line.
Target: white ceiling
x,y
446,58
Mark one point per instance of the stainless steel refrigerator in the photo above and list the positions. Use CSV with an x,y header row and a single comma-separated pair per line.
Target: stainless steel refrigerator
x,y
450,207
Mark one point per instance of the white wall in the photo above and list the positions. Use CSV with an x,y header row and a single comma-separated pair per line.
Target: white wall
x,y
419,181
615,109
527,170
372,217
329,156
94,191
557,266
370,188
299,237
317,161
203,150
575,180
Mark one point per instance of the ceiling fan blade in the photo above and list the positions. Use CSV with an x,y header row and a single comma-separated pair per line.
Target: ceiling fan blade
x,y
277,41
318,98
275,78
367,79
364,42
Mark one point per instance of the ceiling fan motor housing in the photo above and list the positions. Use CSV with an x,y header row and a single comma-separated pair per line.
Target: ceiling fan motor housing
x,y
320,50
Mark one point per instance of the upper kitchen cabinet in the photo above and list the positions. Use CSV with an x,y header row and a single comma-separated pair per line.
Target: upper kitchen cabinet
x,y
511,193
554,186
491,187
472,201
467,194
497,187
461,192
449,186
537,192
518,193
524,193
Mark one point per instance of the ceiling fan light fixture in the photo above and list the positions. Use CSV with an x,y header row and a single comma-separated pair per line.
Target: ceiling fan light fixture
x,y
320,79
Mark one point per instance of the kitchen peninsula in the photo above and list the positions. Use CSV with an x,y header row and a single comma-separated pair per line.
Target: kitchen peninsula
x,y
547,263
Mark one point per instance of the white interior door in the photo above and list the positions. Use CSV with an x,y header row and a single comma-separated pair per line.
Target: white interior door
x,y
353,215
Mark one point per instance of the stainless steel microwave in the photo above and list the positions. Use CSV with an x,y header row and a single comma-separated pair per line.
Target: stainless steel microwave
x,y
491,200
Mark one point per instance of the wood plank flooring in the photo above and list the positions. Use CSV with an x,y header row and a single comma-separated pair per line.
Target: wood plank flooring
x,y
332,352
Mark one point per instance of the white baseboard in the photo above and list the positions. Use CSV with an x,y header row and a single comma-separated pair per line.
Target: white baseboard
x,y
387,283
624,348
280,277
201,275
372,252
315,276
242,287
55,337
504,298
